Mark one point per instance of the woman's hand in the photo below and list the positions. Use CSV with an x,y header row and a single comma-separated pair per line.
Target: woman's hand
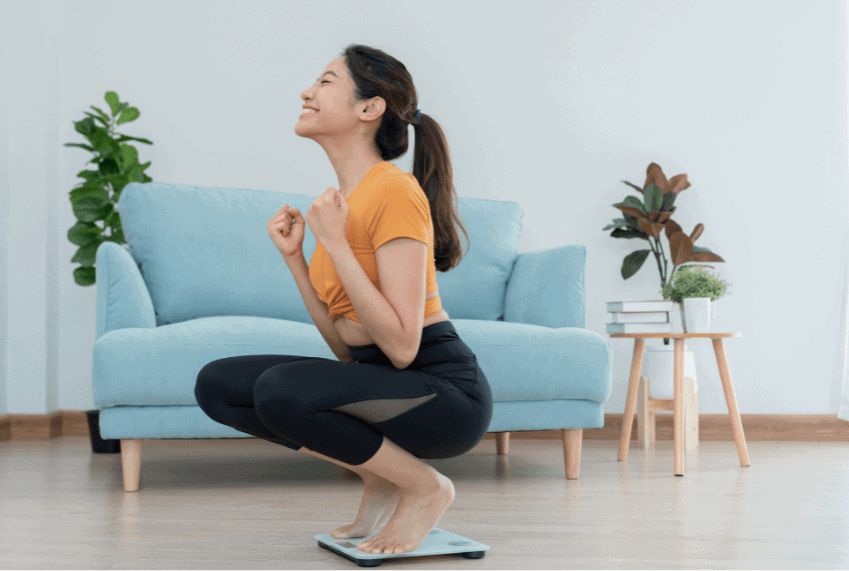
x,y
328,217
287,235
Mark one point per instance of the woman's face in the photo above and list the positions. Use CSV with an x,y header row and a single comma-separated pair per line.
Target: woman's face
x,y
330,94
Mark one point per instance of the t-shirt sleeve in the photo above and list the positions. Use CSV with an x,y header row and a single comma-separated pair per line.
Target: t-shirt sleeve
x,y
400,210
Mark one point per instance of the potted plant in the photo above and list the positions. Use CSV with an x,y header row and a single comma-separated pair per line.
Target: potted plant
x,y
694,287
646,217
96,199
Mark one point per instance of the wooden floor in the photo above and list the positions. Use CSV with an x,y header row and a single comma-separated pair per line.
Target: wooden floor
x,y
250,504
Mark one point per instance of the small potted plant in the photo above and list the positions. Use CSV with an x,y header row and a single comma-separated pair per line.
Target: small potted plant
x,y
694,287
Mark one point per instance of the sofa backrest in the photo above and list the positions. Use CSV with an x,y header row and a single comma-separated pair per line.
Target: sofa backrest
x,y
206,252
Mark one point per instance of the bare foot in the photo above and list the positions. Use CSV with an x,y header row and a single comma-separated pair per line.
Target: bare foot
x,y
417,514
379,500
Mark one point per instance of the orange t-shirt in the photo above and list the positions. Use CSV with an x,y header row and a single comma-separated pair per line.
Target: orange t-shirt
x,y
388,203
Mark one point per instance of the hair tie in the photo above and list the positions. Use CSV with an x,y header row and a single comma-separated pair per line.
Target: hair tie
x,y
417,117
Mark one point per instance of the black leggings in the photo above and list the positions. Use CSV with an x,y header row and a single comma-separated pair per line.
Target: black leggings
x,y
438,407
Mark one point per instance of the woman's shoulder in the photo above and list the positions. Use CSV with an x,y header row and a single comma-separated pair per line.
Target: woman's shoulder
x,y
392,180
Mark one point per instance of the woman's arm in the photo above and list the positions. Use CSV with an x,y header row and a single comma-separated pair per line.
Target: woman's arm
x,y
375,312
317,308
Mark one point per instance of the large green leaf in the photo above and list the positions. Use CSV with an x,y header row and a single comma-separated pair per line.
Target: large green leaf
x,y
633,262
101,113
634,202
83,234
105,122
88,175
89,190
615,224
668,201
80,145
653,198
91,209
129,157
621,233
86,255
127,115
112,99
85,276
85,127
123,138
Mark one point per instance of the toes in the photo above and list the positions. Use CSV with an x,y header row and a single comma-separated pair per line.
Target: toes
x,y
341,534
381,548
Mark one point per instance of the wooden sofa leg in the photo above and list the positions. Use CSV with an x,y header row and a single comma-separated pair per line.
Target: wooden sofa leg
x,y
572,440
502,442
131,464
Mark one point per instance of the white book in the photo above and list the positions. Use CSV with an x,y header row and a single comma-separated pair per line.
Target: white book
x,y
640,317
641,306
639,328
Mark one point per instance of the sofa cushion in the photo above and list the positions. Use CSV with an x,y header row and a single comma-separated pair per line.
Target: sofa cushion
x,y
206,252
159,367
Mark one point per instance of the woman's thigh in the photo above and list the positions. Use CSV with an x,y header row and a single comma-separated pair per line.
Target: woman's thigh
x,y
231,380
428,413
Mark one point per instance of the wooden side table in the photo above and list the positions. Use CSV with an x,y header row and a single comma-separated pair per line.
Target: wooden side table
x,y
678,406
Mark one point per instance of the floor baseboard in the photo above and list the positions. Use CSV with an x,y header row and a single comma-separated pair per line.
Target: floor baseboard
x,y
712,427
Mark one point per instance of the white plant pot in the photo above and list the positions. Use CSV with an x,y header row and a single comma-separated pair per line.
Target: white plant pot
x,y
659,367
695,314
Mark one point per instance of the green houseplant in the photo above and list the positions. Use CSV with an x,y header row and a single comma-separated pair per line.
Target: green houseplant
x,y
645,218
694,281
95,199
688,282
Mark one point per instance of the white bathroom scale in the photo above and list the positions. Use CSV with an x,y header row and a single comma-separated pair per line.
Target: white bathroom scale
x,y
437,542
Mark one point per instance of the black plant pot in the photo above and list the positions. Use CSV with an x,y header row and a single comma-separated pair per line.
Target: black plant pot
x,y
99,445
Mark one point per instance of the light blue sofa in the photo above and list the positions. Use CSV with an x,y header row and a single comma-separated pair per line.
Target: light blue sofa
x,y
202,280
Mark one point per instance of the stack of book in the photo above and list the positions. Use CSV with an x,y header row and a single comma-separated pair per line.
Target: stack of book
x,y
649,316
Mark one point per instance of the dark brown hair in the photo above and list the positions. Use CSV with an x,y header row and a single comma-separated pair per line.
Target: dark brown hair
x,y
375,73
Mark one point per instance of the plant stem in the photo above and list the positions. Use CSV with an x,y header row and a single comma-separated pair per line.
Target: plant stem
x,y
664,275
657,254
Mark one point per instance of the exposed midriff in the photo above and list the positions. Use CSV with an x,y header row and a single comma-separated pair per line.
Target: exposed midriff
x,y
354,333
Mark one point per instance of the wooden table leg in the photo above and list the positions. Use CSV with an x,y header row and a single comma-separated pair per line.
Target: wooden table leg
x,y
678,406
731,401
631,400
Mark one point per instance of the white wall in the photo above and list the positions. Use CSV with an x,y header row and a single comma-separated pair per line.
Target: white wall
x,y
747,98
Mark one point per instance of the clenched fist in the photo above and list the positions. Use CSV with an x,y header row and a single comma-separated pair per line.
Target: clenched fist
x,y
286,233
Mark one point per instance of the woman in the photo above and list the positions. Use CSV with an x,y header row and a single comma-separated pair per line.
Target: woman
x,y
405,385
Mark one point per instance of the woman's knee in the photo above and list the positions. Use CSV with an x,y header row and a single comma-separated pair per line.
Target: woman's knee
x,y
205,392
209,386
272,394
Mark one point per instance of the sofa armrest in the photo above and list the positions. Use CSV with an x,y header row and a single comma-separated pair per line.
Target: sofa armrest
x,y
547,288
122,297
